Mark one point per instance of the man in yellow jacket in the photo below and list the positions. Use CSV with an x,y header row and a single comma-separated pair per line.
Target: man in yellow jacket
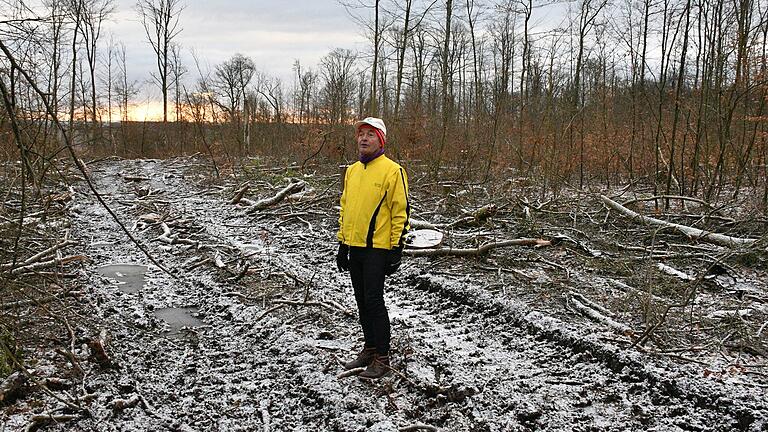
x,y
372,225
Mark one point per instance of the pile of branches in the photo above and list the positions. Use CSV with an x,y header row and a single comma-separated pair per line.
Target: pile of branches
x,y
37,261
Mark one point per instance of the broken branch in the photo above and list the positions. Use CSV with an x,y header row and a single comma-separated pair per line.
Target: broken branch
x,y
694,233
293,187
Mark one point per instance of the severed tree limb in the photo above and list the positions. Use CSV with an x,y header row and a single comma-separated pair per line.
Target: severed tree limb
x,y
418,427
479,250
45,264
421,224
38,256
476,217
669,197
239,194
639,292
168,238
293,187
593,311
695,233
38,420
121,404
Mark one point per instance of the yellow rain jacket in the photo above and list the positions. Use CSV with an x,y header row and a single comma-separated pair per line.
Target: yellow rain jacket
x,y
374,205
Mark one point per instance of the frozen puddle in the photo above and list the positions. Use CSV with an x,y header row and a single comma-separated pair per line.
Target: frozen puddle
x,y
178,318
130,277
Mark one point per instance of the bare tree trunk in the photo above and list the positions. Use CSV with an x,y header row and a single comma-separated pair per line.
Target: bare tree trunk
x,y
373,107
160,19
401,55
676,115
444,83
527,10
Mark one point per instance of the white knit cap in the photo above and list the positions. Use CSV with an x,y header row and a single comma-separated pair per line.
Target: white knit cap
x,y
373,121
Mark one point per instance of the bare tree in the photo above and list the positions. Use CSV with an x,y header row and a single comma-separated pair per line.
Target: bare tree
x,y
178,70
125,91
270,88
338,85
230,81
305,89
589,10
160,19
445,77
93,14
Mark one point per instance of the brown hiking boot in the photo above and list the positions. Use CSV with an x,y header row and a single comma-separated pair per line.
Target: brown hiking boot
x,y
363,359
379,368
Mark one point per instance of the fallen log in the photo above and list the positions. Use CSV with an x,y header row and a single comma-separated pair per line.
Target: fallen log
x,y
422,224
45,264
292,188
479,250
474,218
38,256
694,233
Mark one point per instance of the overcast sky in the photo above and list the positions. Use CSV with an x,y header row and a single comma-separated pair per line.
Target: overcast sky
x,y
273,33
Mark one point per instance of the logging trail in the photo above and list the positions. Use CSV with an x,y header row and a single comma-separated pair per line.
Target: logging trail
x,y
248,327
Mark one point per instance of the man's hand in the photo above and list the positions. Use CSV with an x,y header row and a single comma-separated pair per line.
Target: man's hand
x,y
394,258
342,258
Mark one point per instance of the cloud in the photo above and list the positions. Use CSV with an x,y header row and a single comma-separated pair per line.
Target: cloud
x,y
273,33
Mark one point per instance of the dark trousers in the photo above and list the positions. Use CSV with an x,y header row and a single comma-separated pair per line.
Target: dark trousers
x,y
366,267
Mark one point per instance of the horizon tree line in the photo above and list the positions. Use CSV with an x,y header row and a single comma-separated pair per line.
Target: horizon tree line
x,y
669,92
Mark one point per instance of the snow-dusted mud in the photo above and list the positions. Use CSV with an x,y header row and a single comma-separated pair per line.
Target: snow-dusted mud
x,y
249,332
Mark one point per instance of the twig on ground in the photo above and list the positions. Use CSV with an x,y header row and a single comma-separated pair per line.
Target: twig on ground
x,y
350,372
418,427
38,420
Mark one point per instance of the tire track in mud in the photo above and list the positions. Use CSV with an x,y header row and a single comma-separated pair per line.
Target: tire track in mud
x,y
468,362
653,390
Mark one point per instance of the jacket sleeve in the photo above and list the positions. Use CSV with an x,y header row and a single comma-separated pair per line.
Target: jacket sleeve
x,y
340,233
400,208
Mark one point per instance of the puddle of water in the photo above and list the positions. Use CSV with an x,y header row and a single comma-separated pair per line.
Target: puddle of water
x,y
130,277
177,318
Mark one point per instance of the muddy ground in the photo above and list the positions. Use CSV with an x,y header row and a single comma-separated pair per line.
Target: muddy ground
x,y
243,322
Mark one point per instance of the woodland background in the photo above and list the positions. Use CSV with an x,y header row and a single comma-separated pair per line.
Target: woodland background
x,y
672,92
